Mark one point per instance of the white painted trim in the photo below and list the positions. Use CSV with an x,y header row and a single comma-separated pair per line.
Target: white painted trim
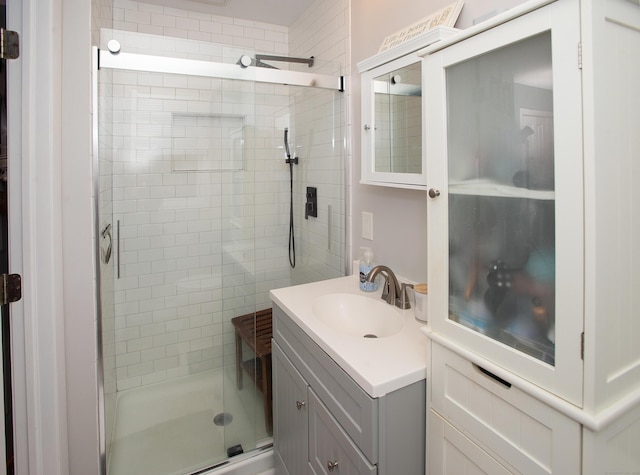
x,y
38,338
77,239
14,105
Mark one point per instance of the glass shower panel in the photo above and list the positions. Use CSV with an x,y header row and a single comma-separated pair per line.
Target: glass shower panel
x,y
183,227
318,129
501,196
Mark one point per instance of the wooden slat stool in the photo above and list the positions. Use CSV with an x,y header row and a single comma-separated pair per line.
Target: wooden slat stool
x,y
258,338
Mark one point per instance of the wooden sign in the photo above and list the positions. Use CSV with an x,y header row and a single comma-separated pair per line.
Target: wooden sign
x,y
446,16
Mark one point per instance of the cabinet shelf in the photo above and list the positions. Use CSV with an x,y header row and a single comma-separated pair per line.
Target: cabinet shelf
x,y
483,187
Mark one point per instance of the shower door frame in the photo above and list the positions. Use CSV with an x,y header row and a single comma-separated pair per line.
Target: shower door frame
x,y
193,67
104,59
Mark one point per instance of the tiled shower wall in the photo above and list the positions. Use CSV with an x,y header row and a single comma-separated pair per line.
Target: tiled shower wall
x,y
321,32
201,240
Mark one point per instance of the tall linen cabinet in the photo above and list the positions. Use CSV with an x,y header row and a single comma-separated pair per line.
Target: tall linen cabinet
x,y
532,124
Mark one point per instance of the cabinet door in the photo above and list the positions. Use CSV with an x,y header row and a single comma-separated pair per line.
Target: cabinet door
x,y
504,153
451,453
290,416
330,449
392,124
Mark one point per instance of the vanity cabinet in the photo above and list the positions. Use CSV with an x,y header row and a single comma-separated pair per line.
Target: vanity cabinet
x,y
532,161
324,422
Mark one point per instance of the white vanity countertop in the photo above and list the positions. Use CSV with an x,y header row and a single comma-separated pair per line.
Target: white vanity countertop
x,y
378,365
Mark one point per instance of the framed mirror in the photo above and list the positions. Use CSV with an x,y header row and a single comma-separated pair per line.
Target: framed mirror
x,y
391,131
392,124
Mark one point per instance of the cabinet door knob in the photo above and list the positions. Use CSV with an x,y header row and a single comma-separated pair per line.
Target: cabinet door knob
x,y
332,465
433,193
300,405
367,127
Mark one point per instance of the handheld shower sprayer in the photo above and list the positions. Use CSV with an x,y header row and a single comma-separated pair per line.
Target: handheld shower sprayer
x,y
286,142
289,160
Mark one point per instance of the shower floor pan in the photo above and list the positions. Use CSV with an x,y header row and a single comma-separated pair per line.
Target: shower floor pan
x,y
168,428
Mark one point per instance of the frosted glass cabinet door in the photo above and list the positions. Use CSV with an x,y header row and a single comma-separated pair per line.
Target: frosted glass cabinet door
x,y
510,195
501,196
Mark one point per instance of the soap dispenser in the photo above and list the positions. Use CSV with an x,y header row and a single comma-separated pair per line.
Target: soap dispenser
x,y
366,264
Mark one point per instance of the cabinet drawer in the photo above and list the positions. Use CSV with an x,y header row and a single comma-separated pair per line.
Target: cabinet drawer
x,y
527,434
330,449
356,412
451,453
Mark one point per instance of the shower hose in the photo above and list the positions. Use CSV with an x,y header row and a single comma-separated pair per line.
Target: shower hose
x,y
291,162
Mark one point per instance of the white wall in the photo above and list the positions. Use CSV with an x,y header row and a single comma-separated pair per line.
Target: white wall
x,y
399,216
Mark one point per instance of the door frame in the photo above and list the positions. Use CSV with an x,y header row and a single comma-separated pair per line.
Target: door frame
x,y
37,330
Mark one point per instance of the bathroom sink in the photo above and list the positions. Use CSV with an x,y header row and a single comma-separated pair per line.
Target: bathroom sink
x,y
357,315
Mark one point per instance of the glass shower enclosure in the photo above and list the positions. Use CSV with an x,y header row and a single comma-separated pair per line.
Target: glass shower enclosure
x,y
192,205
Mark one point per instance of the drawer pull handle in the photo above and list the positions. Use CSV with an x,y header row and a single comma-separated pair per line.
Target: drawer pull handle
x,y
300,405
332,465
505,383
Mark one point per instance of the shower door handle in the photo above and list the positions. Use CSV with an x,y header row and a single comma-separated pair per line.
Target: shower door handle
x,y
106,253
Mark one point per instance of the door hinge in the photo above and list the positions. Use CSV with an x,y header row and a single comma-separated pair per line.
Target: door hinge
x,y
9,44
10,288
582,346
580,55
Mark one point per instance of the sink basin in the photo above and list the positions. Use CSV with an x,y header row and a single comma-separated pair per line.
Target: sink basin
x,y
358,316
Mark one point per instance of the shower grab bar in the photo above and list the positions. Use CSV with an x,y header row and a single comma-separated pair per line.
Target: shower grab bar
x,y
194,67
118,250
329,227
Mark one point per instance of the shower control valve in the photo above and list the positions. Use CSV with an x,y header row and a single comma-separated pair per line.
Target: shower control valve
x,y
311,206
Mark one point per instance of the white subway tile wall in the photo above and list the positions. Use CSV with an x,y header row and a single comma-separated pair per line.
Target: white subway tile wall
x,y
204,225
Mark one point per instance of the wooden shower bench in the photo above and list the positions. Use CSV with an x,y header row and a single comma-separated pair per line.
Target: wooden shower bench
x,y
257,336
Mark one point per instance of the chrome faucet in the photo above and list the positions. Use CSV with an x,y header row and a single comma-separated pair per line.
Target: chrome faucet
x,y
393,292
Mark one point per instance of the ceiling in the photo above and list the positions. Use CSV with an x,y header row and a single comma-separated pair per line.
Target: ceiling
x,y
278,12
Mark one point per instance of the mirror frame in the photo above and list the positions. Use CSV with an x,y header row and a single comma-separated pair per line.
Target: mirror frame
x,y
401,55
369,175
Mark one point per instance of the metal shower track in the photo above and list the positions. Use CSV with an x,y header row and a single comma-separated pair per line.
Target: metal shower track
x,y
192,67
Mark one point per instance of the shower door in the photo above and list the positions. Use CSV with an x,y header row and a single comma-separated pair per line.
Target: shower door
x,y
192,216
176,243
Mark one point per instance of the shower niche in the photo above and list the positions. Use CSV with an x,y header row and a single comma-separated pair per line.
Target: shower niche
x,y
207,142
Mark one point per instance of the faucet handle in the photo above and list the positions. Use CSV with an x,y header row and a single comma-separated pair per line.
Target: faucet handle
x,y
403,299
